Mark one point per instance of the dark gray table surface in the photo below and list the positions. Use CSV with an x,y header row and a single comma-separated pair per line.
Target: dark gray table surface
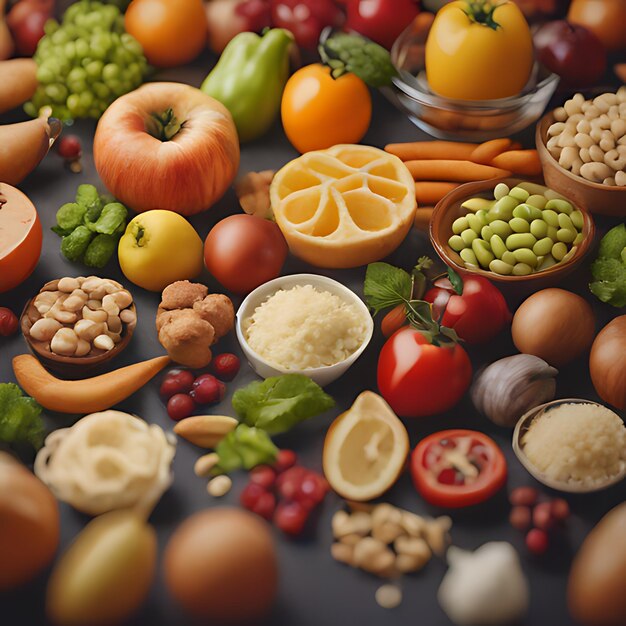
x,y
314,590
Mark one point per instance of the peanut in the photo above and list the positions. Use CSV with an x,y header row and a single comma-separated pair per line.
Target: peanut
x,y
205,464
342,552
205,431
219,486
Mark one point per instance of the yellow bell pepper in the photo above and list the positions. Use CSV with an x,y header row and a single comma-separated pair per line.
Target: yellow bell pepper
x,y
479,50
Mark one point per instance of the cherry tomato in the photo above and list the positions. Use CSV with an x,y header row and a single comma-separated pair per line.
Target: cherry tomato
x,y
477,315
319,112
457,468
417,378
244,251
180,406
226,366
395,319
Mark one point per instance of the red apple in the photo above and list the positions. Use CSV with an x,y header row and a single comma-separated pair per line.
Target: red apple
x,y
228,18
571,51
166,146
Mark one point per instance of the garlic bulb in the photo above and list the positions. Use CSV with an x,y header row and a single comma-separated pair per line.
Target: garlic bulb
x,y
506,389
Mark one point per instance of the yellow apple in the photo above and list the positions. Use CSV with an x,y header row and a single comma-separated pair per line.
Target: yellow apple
x,y
158,248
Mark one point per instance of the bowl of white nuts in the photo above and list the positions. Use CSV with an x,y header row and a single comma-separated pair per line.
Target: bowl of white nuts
x,y
582,148
78,323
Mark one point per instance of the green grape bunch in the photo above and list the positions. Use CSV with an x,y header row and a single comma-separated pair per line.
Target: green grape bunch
x,y
86,62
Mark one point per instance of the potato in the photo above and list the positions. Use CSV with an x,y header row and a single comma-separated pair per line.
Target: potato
x,y
595,589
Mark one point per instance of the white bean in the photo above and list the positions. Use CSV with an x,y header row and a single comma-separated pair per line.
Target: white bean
x,y
576,165
620,179
573,106
68,284
44,329
64,342
621,94
595,172
610,181
618,128
560,114
103,342
583,127
607,142
566,138
556,129
596,133
614,161
613,113
604,122
596,154
601,103
584,155
583,140
568,156
592,113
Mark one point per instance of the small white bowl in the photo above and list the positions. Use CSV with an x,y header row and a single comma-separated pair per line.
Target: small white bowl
x,y
321,375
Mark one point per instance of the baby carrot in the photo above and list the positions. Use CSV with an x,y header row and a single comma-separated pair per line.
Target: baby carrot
x,y
488,151
429,192
519,161
422,218
431,150
457,171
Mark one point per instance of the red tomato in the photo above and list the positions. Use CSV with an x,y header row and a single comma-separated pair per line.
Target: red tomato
x,y
456,468
477,315
244,251
417,378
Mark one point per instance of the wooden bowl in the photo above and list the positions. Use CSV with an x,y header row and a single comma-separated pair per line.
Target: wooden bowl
x,y
449,208
70,365
594,197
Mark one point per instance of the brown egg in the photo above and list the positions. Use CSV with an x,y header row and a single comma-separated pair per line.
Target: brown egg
x,y
221,564
29,520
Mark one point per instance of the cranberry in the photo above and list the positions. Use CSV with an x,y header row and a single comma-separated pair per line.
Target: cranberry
x,y
8,322
542,516
263,475
520,517
265,505
291,517
523,496
537,541
68,147
250,495
226,366
285,460
312,490
560,509
207,389
288,483
180,406
176,381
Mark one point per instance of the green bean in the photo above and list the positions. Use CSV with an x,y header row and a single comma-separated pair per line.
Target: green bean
x,y
467,254
483,252
506,204
500,267
520,240
519,193
524,255
559,250
577,219
539,228
537,201
552,233
456,243
509,257
497,245
566,235
474,223
522,211
543,246
519,225
486,233
459,225
477,204
522,269
565,222
482,216
468,236
562,206
550,217
501,190
501,228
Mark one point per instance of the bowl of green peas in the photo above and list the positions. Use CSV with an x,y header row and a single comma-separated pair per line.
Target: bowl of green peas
x,y
511,230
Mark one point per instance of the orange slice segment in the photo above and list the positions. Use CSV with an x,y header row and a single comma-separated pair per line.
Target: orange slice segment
x,y
365,449
343,207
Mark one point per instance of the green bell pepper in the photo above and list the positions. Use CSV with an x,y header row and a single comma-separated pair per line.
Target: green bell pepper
x,y
249,79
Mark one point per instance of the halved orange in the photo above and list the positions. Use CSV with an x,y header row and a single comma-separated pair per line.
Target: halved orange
x,y
344,207
365,449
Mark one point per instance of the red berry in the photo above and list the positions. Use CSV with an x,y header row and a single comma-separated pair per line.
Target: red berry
x,y
312,490
288,483
176,381
68,147
285,460
291,517
207,389
8,322
250,495
180,406
560,509
523,496
263,475
537,541
542,516
226,366
520,517
265,505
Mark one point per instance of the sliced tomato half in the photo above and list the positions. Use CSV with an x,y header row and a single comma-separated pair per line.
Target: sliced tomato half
x,y
457,468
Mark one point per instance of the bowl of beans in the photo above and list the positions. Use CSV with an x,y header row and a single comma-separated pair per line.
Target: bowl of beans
x,y
511,230
582,148
74,324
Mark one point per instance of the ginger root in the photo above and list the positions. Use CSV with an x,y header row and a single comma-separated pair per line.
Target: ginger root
x,y
190,320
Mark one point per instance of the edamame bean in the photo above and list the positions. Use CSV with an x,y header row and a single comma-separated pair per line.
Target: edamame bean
x,y
509,257
550,217
482,216
569,255
456,243
562,206
548,261
533,188
497,246
477,204
522,211
559,250
566,235
468,236
537,201
501,228
486,233
500,267
539,228
524,255
474,223
459,225
519,225
519,194
501,190
577,219
565,222
579,239
543,246
469,257
506,204
483,252
522,269
552,232
520,240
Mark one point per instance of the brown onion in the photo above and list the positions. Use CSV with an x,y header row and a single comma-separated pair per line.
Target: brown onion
x,y
607,363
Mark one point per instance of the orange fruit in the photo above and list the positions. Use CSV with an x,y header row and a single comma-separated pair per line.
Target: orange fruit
x,y
365,449
343,207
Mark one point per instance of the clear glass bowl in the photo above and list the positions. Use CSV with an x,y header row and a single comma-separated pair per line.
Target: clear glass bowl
x,y
466,120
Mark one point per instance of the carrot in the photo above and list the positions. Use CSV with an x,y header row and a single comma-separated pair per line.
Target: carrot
x,y
457,171
429,192
431,150
422,218
519,161
488,151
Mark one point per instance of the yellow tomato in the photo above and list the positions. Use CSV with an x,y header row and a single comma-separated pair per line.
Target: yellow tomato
x,y
479,50
319,111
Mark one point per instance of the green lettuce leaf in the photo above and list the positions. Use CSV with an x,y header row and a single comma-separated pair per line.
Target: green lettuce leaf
x,y
386,286
20,420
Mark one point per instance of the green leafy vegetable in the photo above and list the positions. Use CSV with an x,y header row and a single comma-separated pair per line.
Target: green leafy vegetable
x,y
456,281
245,447
100,250
20,420
280,402
112,217
74,245
70,216
609,269
386,286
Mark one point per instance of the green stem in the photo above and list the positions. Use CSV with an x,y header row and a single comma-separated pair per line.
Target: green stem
x,y
481,12
139,235
163,126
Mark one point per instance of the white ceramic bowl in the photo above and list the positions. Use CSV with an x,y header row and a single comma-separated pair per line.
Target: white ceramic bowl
x,y
321,375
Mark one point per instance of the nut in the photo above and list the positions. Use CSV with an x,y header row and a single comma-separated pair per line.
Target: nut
x,y
389,596
342,552
75,301
407,563
205,431
122,298
385,513
88,330
64,342
387,532
44,329
219,486
99,316
67,284
128,316
57,313
436,534
103,342
83,348
413,546
352,539
203,466
373,556
413,524
109,305
114,324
